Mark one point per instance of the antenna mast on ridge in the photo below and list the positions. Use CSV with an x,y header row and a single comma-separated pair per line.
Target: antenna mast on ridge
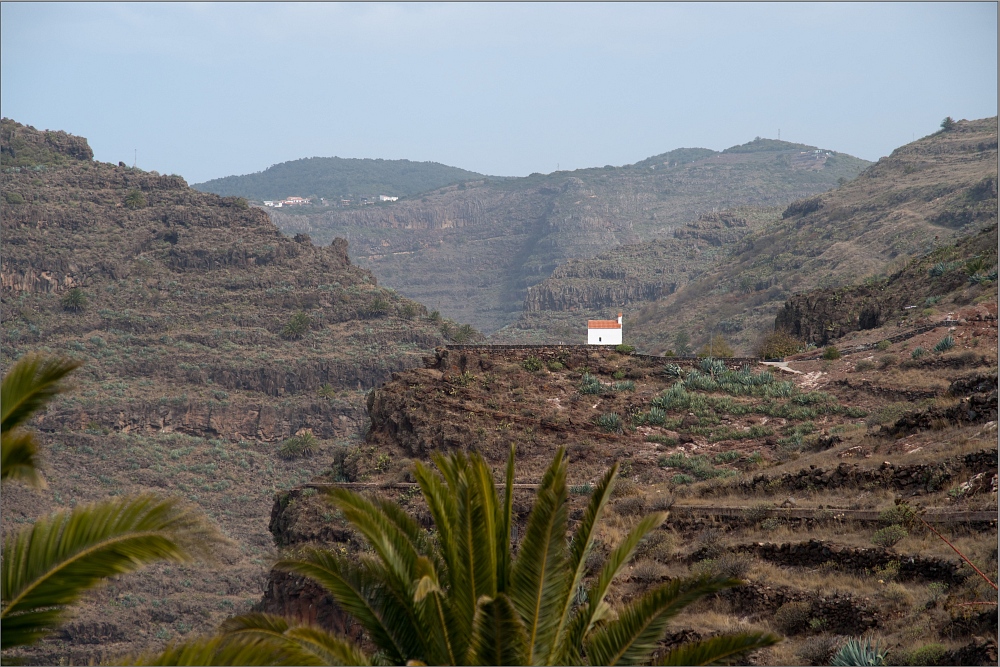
x,y
135,158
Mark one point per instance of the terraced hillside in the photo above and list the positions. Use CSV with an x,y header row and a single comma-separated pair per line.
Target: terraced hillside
x,y
924,197
208,340
472,250
806,481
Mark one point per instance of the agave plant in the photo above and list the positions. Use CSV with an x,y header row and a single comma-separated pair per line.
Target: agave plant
x,y
865,652
48,566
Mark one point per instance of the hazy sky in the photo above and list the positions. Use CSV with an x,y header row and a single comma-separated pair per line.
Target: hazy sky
x,y
208,90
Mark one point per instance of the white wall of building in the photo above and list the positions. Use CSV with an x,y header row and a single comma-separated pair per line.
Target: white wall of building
x,y
604,336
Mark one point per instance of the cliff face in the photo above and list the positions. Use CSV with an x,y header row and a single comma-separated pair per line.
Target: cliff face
x,y
474,250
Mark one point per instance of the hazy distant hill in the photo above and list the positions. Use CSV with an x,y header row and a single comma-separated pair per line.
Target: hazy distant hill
x,y
335,177
924,196
472,250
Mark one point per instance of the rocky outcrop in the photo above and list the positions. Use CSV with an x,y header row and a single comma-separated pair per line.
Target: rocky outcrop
x,y
841,613
915,478
817,552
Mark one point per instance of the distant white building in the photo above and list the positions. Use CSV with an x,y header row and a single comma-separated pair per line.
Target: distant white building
x,y
387,198
604,332
268,203
295,201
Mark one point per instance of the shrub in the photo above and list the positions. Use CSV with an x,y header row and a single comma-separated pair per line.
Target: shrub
x,y
716,347
661,439
13,198
464,334
656,416
887,361
883,345
582,489
657,545
860,652
296,327
74,301
611,422
630,506
625,349
901,514
917,353
555,365
681,479
627,385
792,617
672,370
778,344
726,457
757,512
945,344
327,391
948,123
647,571
831,353
818,650
532,364
928,654
889,536
298,446
135,200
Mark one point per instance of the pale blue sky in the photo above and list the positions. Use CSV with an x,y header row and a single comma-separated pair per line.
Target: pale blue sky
x,y
208,90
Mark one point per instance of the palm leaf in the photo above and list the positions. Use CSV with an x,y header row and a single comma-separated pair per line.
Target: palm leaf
x,y
538,578
504,526
581,545
718,650
498,636
482,524
49,565
220,650
435,616
596,608
631,638
308,644
29,385
359,588
18,449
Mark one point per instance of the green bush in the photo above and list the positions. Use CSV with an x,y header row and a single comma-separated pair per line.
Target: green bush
x,y
928,654
532,364
778,344
555,365
889,536
945,344
611,422
74,301
13,198
887,361
626,385
917,353
298,446
831,353
901,515
883,345
135,200
792,617
296,327
624,349
589,384
716,347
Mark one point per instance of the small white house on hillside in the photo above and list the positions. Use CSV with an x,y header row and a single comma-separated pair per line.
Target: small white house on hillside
x,y
604,332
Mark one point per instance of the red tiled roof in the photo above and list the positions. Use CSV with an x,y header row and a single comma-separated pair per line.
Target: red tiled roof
x,y
603,324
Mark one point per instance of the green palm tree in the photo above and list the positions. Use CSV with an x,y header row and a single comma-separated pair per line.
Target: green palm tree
x,y
49,565
461,597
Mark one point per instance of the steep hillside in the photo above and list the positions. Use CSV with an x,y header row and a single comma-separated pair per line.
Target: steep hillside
x,y
473,250
335,178
803,482
924,196
206,337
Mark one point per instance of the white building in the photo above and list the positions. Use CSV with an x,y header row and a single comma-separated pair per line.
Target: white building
x,y
387,198
604,332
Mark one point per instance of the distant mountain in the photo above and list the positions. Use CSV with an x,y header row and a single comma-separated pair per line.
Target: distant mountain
x,y
731,273
474,249
336,177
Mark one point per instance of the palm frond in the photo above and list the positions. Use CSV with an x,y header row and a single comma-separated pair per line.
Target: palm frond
x,y
360,589
631,638
504,526
436,617
220,650
596,608
392,544
538,578
18,449
498,636
580,547
29,385
49,565
482,522
309,644
722,650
